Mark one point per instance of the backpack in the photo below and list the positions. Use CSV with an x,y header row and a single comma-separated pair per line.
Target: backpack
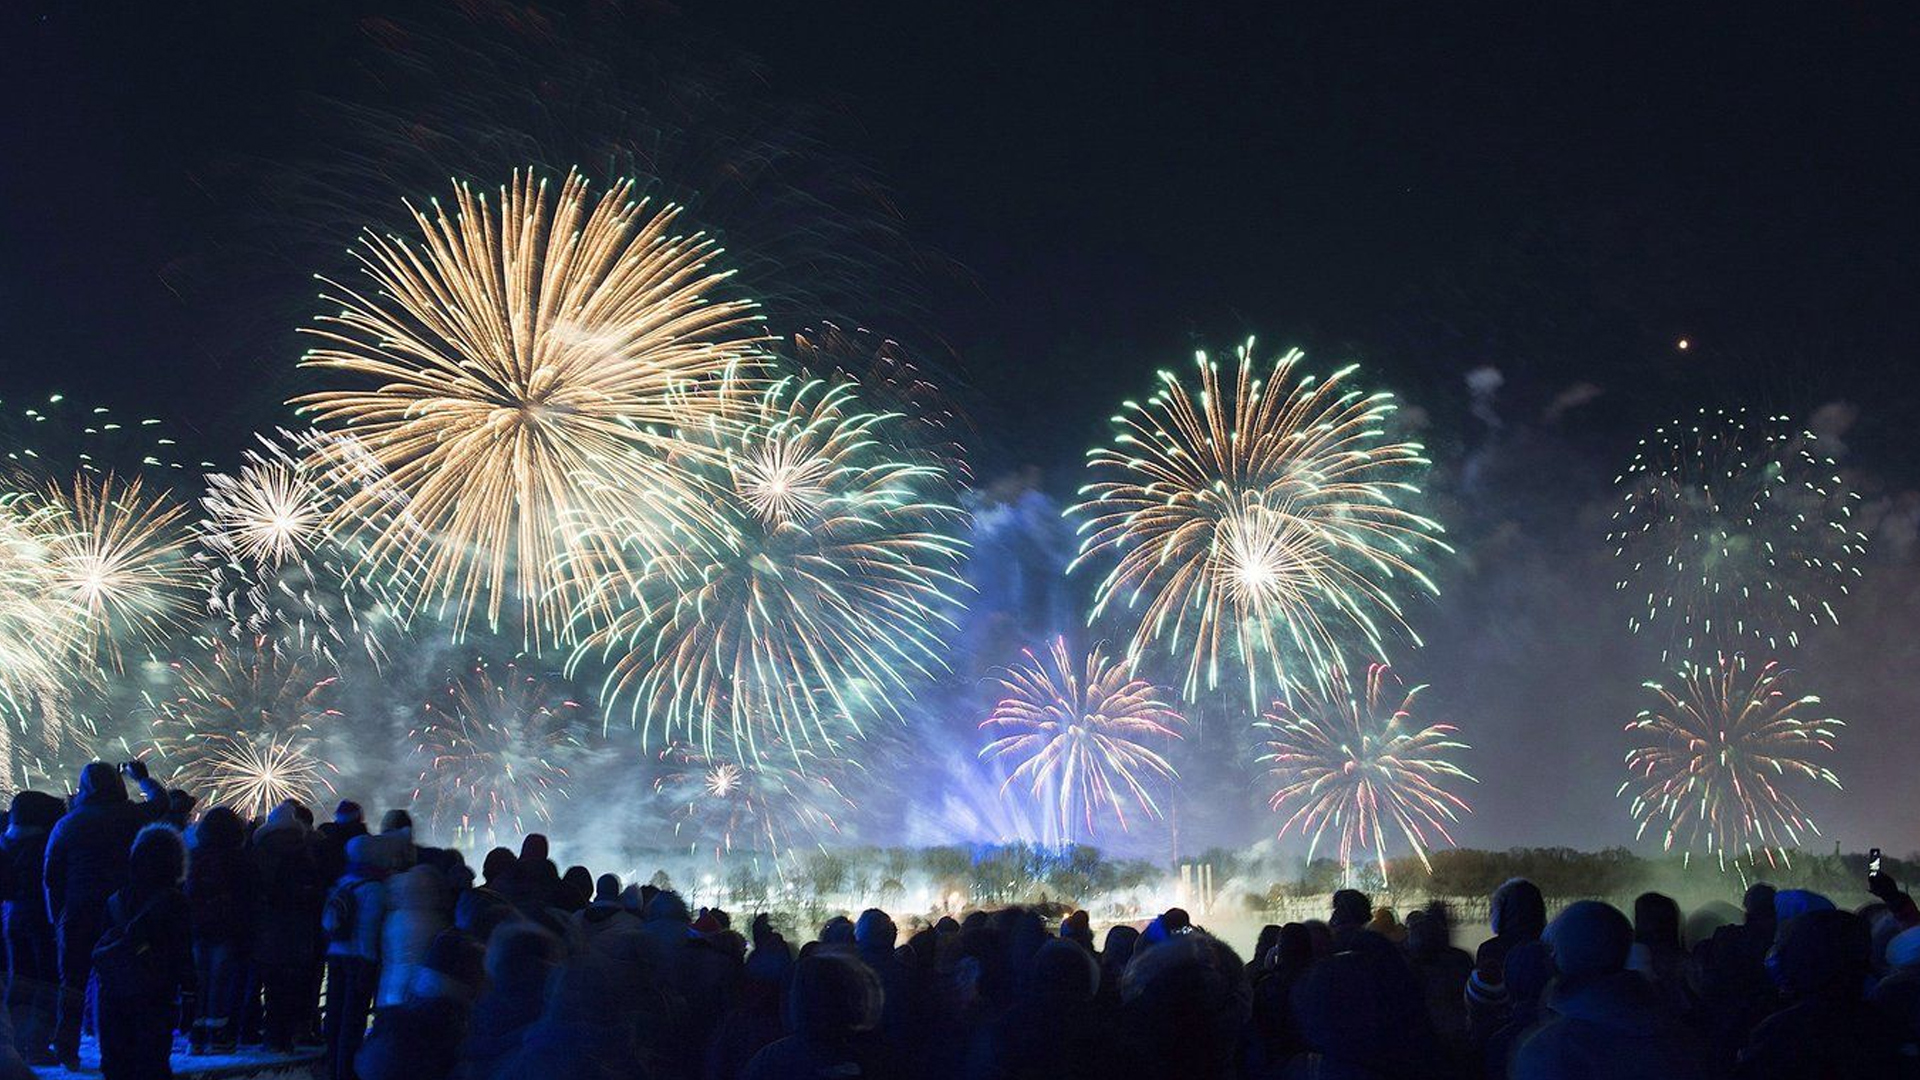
x,y
124,959
342,915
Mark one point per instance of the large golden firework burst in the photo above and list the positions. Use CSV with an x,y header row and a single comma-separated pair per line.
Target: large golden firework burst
x,y
524,371
1257,520
117,549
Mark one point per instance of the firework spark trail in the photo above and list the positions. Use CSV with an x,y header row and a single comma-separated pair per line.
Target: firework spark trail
x,y
728,801
245,726
495,743
532,366
118,549
1738,529
1717,753
275,568
1361,766
1256,517
32,615
819,607
1080,732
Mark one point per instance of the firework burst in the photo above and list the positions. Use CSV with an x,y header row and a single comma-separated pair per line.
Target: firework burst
x,y
118,552
819,606
1734,530
1080,734
31,616
494,742
245,726
1257,520
274,568
530,366
1718,754
727,801
1359,768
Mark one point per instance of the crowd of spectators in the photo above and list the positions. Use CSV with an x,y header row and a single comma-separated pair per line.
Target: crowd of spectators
x,y
158,925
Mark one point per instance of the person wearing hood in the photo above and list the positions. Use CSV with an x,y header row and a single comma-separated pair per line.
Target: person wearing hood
x,y
1657,954
1828,1031
33,966
833,1007
875,937
576,889
331,837
352,921
521,959
87,854
419,1037
286,910
418,903
1604,1021
221,900
1517,914
396,834
606,915
143,958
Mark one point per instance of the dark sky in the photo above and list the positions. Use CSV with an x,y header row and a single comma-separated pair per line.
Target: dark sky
x,y
1075,194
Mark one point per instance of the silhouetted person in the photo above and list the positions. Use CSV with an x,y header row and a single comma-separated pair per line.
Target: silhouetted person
x,y
1604,1022
1442,970
142,958
1828,1030
33,963
833,1009
419,1037
86,863
520,960
1517,914
355,913
583,1034
1735,992
1053,1032
1183,1003
221,896
1273,1035
286,911
1528,970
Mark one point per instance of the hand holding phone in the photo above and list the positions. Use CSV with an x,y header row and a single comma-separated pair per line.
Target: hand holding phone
x,y
1873,862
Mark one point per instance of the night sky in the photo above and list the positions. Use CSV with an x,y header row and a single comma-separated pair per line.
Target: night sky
x,y
1048,201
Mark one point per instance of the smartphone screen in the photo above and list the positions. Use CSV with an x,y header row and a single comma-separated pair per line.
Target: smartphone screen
x,y
1873,861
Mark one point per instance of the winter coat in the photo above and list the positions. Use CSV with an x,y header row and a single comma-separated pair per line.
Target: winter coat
x,y
800,1057
287,902
87,850
330,848
157,927
418,1040
369,896
1609,1026
220,887
1821,1039
416,910
23,858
